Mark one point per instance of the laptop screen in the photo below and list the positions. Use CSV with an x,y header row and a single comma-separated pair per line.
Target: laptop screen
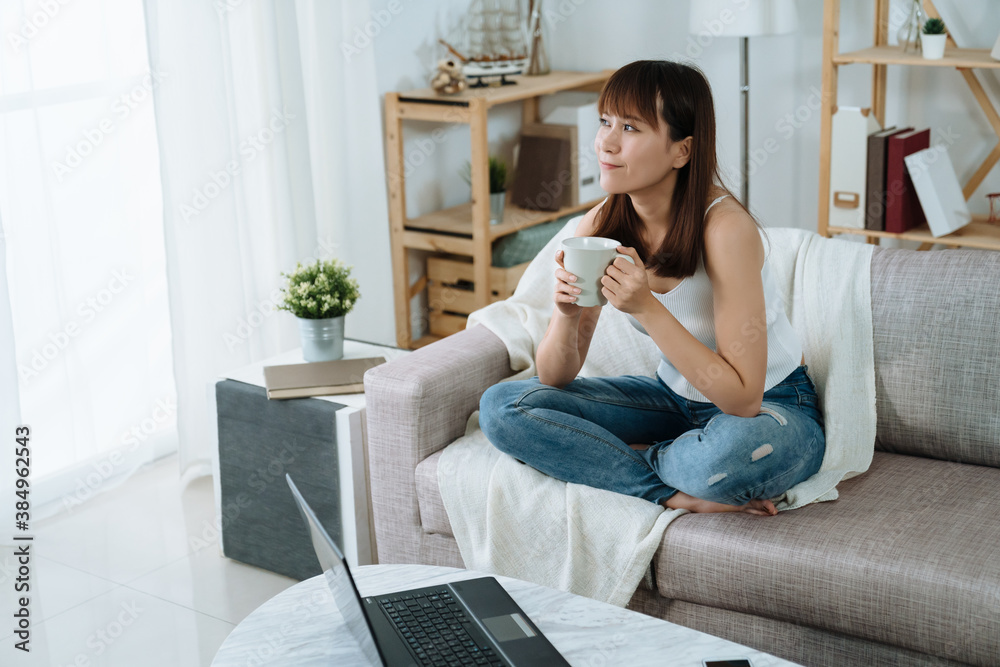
x,y
345,594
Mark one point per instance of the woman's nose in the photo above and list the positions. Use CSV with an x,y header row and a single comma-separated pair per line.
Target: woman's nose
x,y
607,142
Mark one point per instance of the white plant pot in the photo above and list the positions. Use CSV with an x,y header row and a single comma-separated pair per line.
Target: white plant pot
x,y
496,207
933,46
322,340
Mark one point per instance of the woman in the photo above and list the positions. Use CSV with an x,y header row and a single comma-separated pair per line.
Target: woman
x,y
731,419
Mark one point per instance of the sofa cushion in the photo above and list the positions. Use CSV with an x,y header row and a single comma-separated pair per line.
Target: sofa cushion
x,y
936,329
433,516
907,556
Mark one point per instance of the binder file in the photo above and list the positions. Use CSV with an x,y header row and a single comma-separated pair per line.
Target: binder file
x,y
849,165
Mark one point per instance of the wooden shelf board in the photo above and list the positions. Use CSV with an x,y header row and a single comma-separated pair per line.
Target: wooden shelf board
x,y
457,220
893,55
976,234
527,86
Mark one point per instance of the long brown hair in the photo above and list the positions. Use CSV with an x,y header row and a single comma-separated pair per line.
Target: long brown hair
x,y
680,95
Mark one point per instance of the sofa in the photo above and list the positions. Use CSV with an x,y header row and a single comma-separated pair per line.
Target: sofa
x,y
904,568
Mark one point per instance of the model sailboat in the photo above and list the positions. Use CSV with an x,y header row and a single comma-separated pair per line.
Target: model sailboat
x,y
495,42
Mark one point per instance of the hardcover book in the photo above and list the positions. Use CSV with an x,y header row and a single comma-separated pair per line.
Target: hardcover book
x,y
318,378
902,208
875,182
543,180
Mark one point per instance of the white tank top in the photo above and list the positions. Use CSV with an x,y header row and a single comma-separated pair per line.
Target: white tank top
x,y
692,304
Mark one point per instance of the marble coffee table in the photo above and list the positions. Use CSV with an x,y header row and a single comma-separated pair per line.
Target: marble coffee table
x,y
301,626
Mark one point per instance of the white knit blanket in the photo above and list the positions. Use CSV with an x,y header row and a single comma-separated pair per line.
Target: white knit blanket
x,y
512,520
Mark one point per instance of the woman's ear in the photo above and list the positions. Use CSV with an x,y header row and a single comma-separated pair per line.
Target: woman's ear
x,y
682,152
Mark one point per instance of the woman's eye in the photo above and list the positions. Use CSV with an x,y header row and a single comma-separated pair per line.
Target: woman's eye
x,y
603,121
628,127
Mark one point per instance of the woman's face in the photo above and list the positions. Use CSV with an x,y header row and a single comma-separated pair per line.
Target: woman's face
x,y
634,155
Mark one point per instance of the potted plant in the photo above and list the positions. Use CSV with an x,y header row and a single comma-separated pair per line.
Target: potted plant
x,y
498,186
933,39
320,295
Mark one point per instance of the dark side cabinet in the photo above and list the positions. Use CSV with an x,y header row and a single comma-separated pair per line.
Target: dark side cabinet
x,y
259,441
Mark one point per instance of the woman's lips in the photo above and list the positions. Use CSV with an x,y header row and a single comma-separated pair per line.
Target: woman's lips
x,y
605,165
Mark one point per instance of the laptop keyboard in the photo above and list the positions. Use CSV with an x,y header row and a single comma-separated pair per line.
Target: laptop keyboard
x,y
435,627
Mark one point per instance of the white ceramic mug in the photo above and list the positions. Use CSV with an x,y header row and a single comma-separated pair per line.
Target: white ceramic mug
x,y
587,258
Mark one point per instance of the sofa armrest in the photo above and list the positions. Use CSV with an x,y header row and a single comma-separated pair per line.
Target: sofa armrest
x,y
416,405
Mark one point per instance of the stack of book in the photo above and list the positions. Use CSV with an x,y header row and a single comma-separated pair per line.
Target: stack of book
x,y
319,378
892,204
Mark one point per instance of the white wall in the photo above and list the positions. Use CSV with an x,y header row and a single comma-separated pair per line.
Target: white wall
x,y
785,77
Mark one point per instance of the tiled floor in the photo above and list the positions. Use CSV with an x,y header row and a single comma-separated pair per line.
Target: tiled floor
x,y
127,580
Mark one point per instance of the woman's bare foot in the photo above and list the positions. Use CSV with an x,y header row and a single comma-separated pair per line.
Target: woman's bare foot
x,y
683,501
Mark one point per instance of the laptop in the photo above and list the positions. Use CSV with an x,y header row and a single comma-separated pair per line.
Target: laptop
x,y
471,622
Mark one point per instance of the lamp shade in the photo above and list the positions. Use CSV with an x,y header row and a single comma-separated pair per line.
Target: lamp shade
x,y
742,18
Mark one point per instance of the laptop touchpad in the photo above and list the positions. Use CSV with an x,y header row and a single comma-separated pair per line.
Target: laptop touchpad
x,y
507,627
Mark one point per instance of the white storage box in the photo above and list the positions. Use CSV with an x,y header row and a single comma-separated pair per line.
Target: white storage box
x,y
849,165
580,110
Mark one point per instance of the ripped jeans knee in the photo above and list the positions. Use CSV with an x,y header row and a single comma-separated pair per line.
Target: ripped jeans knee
x,y
734,460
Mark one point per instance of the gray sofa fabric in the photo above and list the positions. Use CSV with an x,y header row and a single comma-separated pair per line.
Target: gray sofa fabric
x,y
417,405
792,641
902,569
936,322
905,558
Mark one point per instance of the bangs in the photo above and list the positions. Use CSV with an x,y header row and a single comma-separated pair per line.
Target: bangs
x,y
632,91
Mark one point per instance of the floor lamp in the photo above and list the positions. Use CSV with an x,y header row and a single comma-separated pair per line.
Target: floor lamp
x,y
726,18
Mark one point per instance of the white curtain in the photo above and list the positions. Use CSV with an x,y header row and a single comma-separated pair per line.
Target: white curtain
x,y
10,406
84,336
271,154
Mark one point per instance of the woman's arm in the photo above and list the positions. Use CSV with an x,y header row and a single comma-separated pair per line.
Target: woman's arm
x,y
733,376
564,346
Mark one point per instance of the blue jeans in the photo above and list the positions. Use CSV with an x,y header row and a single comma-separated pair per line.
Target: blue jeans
x,y
582,432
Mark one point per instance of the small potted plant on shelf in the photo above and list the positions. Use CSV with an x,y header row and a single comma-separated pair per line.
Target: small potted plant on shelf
x,y
320,295
498,186
933,39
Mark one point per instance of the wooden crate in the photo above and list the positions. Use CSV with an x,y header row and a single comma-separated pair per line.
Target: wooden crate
x,y
450,291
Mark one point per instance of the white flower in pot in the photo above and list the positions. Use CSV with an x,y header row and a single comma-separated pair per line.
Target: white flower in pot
x,y
933,40
320,295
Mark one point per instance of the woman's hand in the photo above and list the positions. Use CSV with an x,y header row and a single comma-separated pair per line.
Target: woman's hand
x,y
566,291
626,285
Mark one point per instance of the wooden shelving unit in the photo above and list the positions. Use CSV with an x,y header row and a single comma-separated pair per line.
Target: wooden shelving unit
x,y
977,234
463,230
